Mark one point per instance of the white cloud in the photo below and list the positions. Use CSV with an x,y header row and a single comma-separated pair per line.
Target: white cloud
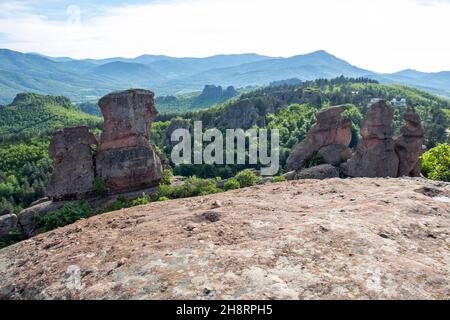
x,y
382,35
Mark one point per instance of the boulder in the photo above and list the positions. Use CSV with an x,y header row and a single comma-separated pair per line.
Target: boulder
x,y
28,218
375,154
321,172
289,176
8,224
73,170
409,145
335,154
126,160
330,128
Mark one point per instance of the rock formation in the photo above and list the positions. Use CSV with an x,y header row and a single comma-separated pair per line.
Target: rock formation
x,y
335,239
320,172
409,145
212,94
335,154
8,224
126,160
331,128
73,171
29,217
375,154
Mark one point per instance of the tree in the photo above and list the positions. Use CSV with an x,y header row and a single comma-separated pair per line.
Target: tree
x,y
436,163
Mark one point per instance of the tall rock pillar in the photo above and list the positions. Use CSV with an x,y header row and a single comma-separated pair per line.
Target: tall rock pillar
x,y
126,160
409,145
375,154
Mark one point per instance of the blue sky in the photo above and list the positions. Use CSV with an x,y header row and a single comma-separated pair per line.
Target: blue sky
x,y
381,35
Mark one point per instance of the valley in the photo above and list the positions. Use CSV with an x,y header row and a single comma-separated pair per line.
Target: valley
x,y
89,79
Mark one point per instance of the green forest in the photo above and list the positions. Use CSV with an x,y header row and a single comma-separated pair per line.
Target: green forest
x,y
26,126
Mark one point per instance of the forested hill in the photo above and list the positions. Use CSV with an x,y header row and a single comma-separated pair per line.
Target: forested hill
x,y
33,114
291,109
269,106
26,126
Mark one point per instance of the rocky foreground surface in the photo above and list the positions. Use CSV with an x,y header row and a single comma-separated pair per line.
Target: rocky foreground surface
x,y
333,239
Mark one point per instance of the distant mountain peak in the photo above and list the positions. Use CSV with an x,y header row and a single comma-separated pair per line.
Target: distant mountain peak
x,y
321,52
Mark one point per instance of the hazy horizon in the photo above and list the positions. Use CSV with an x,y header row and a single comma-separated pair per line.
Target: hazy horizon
x,y
209,56
383,36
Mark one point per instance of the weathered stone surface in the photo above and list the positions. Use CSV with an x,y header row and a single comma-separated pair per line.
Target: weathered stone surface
x,y
409,145
335,154
8,224
330,128
375,154
127,117
73,170
321,172
306,239
28,217
126,160
290,175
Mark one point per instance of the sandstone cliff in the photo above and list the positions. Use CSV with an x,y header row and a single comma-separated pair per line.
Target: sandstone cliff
x,y
354,238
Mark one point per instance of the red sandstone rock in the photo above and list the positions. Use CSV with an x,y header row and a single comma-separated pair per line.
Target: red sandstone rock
x,y
375,155
126,160
307,239
331,128
335,154
73,172
409,145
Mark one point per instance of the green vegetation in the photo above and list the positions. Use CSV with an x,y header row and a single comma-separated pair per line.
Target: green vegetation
x,y
436,163
279,179
26,126
167,177
231,184
247,178
192,101
100,186
144,199
292,108
24,172
13,237
68,214
31,115
191,187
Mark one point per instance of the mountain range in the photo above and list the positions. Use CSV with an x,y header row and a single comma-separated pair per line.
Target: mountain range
x,y
88,79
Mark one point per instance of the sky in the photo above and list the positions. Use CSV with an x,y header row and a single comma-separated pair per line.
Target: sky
x,y
378,35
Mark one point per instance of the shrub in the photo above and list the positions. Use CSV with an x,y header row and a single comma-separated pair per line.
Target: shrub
x,y
13,237
436,163
163,199
279,179
120,203
247,178
167,177
231,184
100,186
191,187
144,199
68,214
